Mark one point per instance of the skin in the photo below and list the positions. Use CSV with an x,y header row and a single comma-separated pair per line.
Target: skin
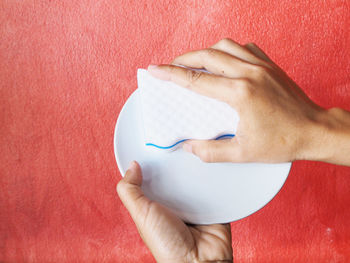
x,y
278,123
167,236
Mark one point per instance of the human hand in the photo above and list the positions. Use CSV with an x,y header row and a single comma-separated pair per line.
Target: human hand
x,y
167,236
278,122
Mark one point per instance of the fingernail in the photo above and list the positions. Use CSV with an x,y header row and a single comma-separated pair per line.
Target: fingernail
x,y
187,147
132,166
157,72
152,67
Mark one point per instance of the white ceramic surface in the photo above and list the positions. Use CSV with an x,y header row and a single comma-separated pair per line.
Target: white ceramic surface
x,y
198,192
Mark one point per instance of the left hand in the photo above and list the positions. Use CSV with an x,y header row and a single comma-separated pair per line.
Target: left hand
x,y
166,235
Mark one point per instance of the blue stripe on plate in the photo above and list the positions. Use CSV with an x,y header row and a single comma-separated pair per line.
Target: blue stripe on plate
x,y
171,146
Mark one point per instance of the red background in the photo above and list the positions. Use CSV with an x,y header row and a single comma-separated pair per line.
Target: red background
x,y
67,68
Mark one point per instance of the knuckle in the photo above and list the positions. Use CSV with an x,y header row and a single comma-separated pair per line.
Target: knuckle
x,y
336,111
244,83
244,89
250,44
258,71
225,41
193,76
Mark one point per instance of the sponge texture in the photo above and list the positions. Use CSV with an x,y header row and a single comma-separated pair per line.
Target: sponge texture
x,y
172,114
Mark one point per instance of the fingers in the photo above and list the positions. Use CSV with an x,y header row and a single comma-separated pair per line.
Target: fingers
x,y
215,61
213,150
203,83
235,49
226,58
130,193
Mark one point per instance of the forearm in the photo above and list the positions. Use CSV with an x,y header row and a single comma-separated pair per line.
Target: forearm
x,y
328,138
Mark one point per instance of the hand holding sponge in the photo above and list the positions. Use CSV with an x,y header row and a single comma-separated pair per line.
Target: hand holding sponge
x,y
172,114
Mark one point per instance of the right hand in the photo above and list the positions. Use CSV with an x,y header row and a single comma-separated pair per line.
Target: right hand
x,y
277,119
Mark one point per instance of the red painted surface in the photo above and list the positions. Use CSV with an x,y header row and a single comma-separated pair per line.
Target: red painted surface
x,y
66,69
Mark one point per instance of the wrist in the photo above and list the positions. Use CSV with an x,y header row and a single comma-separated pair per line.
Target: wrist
x,y
327,137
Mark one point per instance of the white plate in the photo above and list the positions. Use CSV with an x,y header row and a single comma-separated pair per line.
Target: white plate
x,y
198,192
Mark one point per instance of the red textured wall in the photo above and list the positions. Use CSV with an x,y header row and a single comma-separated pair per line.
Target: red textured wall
x,y
66,69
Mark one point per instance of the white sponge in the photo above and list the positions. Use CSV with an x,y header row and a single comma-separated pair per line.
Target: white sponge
x,y
172,114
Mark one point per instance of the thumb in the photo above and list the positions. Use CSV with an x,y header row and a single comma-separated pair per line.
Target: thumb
x,y
130,193
212,150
